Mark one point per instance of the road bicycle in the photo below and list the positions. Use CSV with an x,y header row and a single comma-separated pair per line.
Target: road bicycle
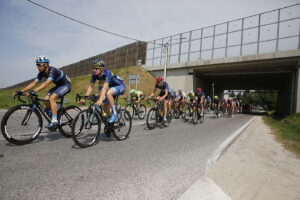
x,y
132,109
86,125
156,115
23,123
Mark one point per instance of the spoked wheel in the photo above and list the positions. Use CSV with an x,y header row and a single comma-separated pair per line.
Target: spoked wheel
x,y
142,111
195,117
202,117
152,118
130,109
169,119
86,128
188,113
65,118
123,126
21,124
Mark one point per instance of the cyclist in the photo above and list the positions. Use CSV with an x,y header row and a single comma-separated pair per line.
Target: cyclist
x,y
164,95
180,96
53,75
191,96
208,103
113,86
230,105
217,103
200,96
137,96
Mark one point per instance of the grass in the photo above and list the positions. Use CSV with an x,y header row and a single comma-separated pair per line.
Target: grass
x,y
80,84
286,130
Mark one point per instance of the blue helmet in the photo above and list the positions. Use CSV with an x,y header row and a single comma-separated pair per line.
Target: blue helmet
x,y
98,62
42,59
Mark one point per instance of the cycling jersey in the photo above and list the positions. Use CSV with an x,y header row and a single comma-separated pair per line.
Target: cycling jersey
x,y
57,76
180,96
108,77
138,95
216,101
162,89
191,95
198,96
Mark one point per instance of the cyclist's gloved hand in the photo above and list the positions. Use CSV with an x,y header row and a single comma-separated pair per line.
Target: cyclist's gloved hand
x,y
82,101
17,93
32,92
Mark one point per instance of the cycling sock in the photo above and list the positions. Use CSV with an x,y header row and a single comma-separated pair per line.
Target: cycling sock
x,y
54,118
114,110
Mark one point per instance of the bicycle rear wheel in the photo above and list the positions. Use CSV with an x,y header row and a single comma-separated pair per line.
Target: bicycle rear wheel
x,y
86,128
21,124
123,126
65,118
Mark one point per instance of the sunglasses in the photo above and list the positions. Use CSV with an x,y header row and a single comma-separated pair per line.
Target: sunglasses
x,y
39,64
97,68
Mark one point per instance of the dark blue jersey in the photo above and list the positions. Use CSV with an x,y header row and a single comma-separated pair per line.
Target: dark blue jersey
x,y
162,88
108,77
198,96
57,76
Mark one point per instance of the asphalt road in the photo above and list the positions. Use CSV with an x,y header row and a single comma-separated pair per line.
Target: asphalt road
x,y
151,164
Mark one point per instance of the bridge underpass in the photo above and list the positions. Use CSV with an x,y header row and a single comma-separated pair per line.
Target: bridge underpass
x,y
264,73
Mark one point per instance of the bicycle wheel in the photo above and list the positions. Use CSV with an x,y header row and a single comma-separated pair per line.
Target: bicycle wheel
x,y
65,118
123,126
21,124
152,118
202,118
86,128
169,119
188,114
142,111
130,108
195,117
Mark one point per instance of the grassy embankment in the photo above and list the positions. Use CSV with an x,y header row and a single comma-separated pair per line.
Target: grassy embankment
x,y
286,130
80,84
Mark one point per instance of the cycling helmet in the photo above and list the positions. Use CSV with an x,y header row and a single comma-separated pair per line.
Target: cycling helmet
x,y
132,91
180,90
198,90
42,59
98,63
216,97
159,79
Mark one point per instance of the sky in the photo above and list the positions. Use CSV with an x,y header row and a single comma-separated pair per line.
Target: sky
x,y
27,31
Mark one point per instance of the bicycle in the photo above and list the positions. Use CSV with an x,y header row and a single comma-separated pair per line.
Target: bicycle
x,y
178,109
86,126
156,115
28,117
188,112
132,109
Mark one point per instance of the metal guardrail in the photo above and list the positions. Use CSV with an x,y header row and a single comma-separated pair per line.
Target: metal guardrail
x,y
272,31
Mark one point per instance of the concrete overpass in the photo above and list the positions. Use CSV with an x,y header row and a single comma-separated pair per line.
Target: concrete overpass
x,y
279,71
256,52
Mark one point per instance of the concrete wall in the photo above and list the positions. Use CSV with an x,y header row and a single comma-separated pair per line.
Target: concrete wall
x,y
178,79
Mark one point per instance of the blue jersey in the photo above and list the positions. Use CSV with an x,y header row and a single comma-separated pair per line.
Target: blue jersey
x,y
108,77
162,88
57,76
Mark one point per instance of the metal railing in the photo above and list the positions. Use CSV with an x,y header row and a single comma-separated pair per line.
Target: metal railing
x,y
272,31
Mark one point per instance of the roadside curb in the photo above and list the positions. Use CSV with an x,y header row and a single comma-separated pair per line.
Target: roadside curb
x,y
205,188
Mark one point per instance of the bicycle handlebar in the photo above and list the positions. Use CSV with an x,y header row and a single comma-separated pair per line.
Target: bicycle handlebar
x,y
92,97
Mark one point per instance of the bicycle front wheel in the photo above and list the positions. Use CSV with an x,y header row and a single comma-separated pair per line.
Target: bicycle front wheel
x,y
86,128
65,118
123,126
142,111
152,118
130,109
21,124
